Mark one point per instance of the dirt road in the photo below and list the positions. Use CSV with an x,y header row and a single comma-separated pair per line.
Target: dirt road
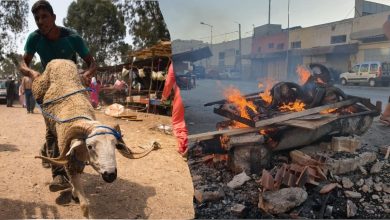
x,y
157,186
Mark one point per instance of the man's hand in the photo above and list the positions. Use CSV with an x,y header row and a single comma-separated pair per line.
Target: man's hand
x,y
85,77
25,70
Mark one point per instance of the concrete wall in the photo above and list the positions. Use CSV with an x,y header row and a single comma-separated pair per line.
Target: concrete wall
x,y
382,48
370,23
263,42
320,35
230,48
363,8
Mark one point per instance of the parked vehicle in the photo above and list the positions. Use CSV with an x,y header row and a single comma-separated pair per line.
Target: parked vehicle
x,y
3,90
373,73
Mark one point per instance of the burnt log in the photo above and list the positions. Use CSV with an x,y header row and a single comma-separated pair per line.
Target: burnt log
x,y
249,158
245,139
295,137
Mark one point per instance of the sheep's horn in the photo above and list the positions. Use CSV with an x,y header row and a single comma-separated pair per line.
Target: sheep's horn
x,y
79,130
55,161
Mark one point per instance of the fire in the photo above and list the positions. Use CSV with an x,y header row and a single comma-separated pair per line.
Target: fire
x,y
328,111
266,95
318,80
296,106
303,74
233,95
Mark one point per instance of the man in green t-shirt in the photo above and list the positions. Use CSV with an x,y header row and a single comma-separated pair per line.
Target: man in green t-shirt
x,y
53,42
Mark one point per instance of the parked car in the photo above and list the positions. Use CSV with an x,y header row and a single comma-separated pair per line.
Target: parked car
x,y
373,73
3,90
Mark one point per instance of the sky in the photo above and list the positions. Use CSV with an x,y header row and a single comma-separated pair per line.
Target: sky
x,y
183,17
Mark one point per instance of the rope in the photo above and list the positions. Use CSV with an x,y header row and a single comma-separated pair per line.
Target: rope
x,y
56,119
113,132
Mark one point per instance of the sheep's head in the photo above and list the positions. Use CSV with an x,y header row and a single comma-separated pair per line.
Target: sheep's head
x,y
96,144
98,148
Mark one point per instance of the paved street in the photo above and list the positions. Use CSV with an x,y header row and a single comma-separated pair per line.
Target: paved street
x,y
202,119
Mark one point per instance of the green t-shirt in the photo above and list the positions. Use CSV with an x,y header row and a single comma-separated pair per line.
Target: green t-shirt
x,y
66,47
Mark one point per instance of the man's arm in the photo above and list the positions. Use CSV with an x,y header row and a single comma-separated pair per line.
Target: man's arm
x,y
25,69
90,72
386,29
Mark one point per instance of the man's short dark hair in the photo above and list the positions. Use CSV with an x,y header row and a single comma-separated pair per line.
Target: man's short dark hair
x,y
42,4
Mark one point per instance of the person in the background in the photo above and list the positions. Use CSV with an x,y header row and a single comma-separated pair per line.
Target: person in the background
x,y
10,87
95,86
30,101
22,99
179,125
385,117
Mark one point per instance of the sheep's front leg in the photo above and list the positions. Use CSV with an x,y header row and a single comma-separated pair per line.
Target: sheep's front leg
x,y
78,191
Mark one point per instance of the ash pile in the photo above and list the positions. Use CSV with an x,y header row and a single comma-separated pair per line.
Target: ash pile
x,y
291,151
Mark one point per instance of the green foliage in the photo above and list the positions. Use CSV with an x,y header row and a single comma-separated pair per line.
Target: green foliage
x,y
13,21
145,21
101,25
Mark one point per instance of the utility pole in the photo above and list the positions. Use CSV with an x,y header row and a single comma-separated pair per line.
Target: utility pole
x,y
288,36
211,37
239,48
269,11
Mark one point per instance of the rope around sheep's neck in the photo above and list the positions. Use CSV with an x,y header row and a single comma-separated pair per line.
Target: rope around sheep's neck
x,y
56,119
113,132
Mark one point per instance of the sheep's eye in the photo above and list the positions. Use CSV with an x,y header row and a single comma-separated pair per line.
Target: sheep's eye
x,y
89,147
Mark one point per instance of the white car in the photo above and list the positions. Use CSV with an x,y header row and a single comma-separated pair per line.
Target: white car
x,y
373,73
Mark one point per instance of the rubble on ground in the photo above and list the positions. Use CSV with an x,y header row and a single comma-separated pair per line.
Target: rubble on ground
x,y
333,174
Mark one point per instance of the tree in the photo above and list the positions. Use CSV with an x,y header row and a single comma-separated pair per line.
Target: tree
x,y
13,21
145,21
101,25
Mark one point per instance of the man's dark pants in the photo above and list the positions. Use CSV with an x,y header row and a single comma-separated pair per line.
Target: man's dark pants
x,y
30,101
51,149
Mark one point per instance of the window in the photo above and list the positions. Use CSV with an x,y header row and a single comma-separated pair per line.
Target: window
x,y
355,68
338,39
374,68
221,55
296,44
271,45
280,46
364,68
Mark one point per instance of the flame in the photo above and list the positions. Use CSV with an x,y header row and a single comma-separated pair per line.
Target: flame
x,y
319,80
233,95
266,95
296,106
303,74
328,111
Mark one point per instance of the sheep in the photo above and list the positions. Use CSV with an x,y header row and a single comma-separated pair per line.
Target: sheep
x,y
82,140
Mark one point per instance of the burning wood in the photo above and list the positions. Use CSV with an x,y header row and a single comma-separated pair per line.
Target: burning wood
x,y
284,116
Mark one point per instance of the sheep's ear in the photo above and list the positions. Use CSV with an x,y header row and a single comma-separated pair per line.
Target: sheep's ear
x,y
76,143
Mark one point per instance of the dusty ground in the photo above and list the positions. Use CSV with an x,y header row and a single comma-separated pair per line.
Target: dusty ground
x,y
157,186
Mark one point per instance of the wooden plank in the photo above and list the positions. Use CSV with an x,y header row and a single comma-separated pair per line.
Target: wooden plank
x,y
304,113
264,123
308,124
212,134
